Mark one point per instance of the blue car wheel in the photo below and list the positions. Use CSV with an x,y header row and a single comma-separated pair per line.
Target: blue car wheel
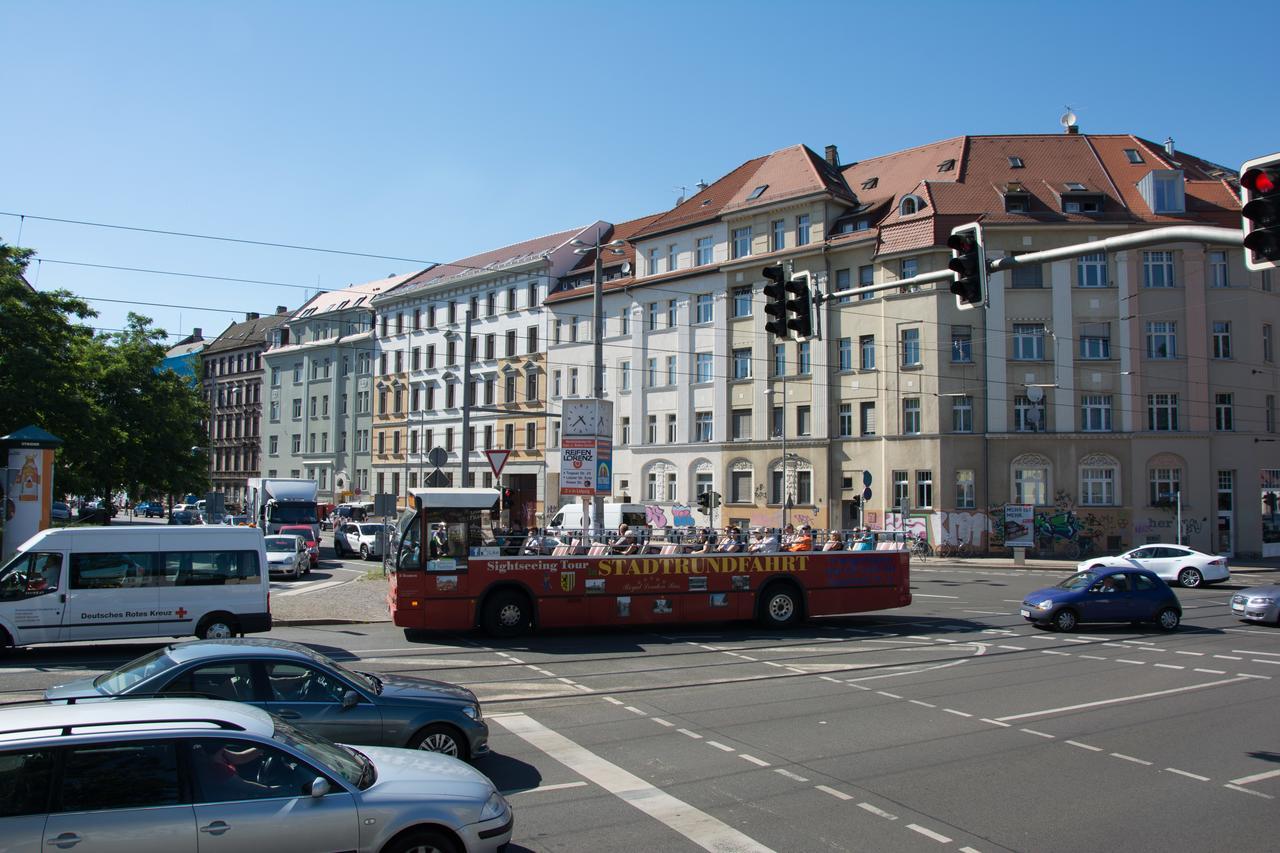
x,y
1065,620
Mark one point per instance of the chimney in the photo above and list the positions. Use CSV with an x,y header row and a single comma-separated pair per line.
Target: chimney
x,y
1168,145
1073,129
195,334
251,315
282,309
833,156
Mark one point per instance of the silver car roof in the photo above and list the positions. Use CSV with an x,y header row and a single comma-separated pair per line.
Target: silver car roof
x,y
131,716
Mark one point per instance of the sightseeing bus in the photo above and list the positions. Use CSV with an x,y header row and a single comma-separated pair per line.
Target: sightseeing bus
x,y
447,573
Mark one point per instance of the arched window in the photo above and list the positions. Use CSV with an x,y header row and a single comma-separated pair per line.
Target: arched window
x,y
1029,479
741,482
798,482
1164,479
1099,480
910,204
701,478
660,481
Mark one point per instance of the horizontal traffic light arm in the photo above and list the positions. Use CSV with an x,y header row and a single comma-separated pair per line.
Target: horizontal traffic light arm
x,y
1153,237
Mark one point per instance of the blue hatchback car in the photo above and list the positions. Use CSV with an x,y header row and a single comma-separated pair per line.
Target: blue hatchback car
x,y
1104,595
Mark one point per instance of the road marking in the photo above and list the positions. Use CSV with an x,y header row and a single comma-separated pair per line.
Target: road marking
x,y
1052,652
753,760
1169,666
1119,699
1092,657
720,746
748,657
1124,757
1076,640
969,850
702,829
1272,662
839,795
922,704
1247,675
310,589
1192,654
613,701
875,811
634,710
688,733
888,694
570,681
1257,777
1247,652
1013,648
1036,733
994,722
1226,657
1138,662
922,595
559,787
929,833
957,713
1195,776
1211,671
1085,746
662,722
1249,791
795,777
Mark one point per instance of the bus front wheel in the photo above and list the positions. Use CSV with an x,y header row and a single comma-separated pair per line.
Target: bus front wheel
x,y
780,606
507,613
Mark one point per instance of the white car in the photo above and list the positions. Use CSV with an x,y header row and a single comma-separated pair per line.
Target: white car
x,y
363,538
1172,563
287,555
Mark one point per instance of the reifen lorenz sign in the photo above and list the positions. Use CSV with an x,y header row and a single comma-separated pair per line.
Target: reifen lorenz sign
x,y
586,447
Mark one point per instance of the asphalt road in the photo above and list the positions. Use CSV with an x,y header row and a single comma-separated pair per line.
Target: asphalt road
x,y
950,725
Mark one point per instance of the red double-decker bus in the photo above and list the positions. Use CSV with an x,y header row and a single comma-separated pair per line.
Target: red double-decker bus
x,y
447,573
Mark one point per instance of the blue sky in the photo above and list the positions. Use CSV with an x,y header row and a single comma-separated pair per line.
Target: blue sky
x,y
435,130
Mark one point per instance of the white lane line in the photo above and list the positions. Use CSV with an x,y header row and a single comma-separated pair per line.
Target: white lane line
x,y
986,612
1195,776
1038,734
584,688
969,850
839,795
887,694
1247,675
1125,660
702,829
558,787
1052,652
663,722
1227,657
748,657
613,701
1192,654
1169,666
753,760
1075,640
1123,757
720,746
1249,791
1259,660
1248,652
957,713
688,733
929,833
994,722
877,812
634,710
1211,671
1092,657
1119,699
314,588
922,595
829,678
1257,777
565,680
1013,648
1141,642
922,704
1085,746
795,777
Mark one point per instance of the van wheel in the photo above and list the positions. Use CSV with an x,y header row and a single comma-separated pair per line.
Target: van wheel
x,y
217,626
364,552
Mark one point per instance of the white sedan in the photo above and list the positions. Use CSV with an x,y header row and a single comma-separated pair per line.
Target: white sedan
x,y
1189,568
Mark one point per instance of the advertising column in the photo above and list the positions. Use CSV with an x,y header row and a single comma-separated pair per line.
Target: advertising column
x,y
586,448
28,484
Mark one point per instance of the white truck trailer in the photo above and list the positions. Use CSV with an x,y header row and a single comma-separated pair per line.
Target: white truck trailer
x,y
274,503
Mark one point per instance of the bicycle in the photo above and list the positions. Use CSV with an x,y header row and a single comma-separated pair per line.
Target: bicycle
x,y
920,549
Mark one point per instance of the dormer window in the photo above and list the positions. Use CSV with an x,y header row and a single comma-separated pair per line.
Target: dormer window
x,y
1015,162
947,165
757,192
1164,191
862,225
1078,198
1016,198
1075,187
910,204
870,183
1133,155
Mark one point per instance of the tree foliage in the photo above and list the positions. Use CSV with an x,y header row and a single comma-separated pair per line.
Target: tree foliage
x,y
126,423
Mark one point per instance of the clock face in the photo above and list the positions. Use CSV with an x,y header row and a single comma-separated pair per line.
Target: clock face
x,y
579,417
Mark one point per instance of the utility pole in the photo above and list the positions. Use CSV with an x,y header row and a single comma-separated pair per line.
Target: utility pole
x,y
466,403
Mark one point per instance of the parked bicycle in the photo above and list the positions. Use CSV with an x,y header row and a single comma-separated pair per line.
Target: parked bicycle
x,y
919,547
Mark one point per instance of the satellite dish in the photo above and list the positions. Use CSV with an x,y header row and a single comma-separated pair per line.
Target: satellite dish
x,y
626,267
1033,417
1068,119
1035,393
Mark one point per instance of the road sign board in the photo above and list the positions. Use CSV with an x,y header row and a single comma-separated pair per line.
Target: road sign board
x,y
438,456
866,493
436,480
866,478
497,460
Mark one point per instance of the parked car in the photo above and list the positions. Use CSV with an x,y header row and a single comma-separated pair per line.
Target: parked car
x,y
307,688
308,536
1188,567
363,538
237,520
287,555
1104,595
59,511
149,509
1258,604
170,774
183,516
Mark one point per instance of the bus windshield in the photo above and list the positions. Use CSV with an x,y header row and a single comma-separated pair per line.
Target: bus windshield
x,y
293,514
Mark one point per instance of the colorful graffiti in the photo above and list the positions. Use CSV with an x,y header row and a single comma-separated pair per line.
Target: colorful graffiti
x,y
655,516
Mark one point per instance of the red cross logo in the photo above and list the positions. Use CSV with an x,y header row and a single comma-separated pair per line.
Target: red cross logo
x,y
181,611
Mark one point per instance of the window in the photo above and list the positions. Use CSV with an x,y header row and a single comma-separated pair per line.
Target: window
x,y
275,411
1028,416
911,416
962,344
777,421
779,240
1268,354
273,444
671,313
530,388
804,487
671,370
866,278
1091,270
1031,486
275,377
843,283
1162,412
531,340
702,426
1269,413
1028,341
740,486
143,774
742,363
910,347
1223,413
845,425
624,376
779,359
703,362
740,423
901,489
1162,339
1157,269
1097,486
924,489
907,268
672,257
1095,341
1165,484
742,302
653,316
966,489
1015,162
775,486
704,251
804,421
1222,340
962,414
1029,276
651,429
704,308
672,437
651,373
804,361
1218,269
844,354
741,244
573,382
297,408
653,261
557,384
867,418
1095,412
24,783
867,352
625,429
802,229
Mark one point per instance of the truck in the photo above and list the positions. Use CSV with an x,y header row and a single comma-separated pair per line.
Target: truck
x,y
274,502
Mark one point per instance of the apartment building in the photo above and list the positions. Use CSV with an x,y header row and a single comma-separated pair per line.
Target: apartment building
x,y
419,381
318,419
233,389
1102,390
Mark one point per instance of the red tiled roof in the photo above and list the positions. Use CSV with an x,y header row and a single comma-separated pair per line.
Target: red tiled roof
x,y
790,173
527,249
622,231
704,206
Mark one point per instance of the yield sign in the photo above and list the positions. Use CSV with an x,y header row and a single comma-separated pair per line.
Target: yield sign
x,y
497,459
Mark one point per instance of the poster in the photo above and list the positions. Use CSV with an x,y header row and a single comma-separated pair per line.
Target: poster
x,y
1019,525
578,466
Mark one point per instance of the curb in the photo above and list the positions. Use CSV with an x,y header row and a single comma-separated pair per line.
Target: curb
x,y
296,623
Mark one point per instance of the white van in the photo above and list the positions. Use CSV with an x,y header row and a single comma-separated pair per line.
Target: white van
x,y
86,584
569,517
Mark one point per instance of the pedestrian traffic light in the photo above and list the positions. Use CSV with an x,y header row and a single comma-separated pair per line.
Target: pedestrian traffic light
x,y
800,306
969,263
704,501
1260,193
713,498
776,306
855,501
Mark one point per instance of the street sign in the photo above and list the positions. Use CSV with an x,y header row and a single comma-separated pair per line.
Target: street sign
x,y
438,456
866,478
436,480
214,503
866,494
384,505
497,460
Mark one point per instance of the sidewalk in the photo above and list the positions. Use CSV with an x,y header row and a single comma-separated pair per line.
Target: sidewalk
x,y
359,601
1043,564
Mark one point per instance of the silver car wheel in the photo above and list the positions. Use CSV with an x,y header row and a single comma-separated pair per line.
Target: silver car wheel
x,y
1190,578
439,742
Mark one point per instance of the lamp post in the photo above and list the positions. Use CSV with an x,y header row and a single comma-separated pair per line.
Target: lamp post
x,y
597,340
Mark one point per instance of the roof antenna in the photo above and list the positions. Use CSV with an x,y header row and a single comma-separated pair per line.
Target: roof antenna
x,y
680,198
1069,122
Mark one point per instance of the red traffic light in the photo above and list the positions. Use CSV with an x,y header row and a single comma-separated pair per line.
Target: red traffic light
x,y
1260,181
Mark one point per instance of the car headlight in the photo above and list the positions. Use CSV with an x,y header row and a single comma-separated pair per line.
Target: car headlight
x,y
473,711
1262,601
1045,605
495,806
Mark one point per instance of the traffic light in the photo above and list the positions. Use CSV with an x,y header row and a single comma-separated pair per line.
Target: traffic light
x,y
704,501
800,307
776,307
713,499
1260,193
969,263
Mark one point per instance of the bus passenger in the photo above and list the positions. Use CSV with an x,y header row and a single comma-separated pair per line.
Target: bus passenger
x,y
626,543
802,542
866,541
729,544
769,542
834,542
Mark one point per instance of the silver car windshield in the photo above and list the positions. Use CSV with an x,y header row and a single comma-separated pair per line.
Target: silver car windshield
x,y
120,680
347,763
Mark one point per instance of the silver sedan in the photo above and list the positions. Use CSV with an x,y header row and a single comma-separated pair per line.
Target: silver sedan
x,y
1258,604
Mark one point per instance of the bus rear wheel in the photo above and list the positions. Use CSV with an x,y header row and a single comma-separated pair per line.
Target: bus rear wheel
x,y
780,606
506,613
